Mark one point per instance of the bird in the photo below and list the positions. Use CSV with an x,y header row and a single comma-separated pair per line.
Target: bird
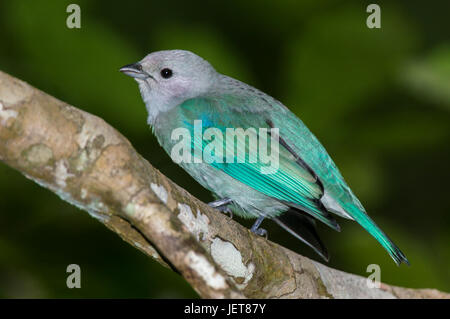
x,y
183,93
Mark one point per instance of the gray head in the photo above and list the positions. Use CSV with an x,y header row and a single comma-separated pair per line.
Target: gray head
x,y
167,78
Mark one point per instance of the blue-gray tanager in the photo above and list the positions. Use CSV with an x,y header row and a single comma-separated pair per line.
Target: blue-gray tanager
x,y
295,185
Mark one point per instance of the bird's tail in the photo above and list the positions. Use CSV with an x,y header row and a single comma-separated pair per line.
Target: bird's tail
x,y
365,221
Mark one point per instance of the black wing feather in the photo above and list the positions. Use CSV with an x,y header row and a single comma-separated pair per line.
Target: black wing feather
x,y
302,227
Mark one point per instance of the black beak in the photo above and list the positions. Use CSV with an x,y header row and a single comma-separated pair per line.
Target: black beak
x,y
134,70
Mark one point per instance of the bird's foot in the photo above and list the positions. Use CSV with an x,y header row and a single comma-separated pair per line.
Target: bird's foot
x,y
222,206
226,210
258,230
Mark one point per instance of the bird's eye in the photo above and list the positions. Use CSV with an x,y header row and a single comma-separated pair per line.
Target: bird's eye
x,y
166,73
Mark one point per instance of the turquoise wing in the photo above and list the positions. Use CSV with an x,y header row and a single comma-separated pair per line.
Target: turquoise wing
x,y
292,182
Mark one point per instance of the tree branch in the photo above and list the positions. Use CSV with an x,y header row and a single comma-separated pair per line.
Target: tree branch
x,y
91,165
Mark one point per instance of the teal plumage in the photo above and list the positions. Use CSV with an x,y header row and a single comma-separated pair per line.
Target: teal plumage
x,y
306,179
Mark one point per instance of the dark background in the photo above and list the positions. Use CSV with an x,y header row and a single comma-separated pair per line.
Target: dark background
x,y
378,99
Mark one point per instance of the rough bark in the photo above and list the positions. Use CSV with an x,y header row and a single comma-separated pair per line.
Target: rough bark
x,y
91,165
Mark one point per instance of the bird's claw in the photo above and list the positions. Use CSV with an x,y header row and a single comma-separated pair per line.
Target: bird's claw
x,y
260,232
222,206
225,210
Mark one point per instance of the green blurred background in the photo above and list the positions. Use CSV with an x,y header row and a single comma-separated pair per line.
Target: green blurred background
x,y
378,99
